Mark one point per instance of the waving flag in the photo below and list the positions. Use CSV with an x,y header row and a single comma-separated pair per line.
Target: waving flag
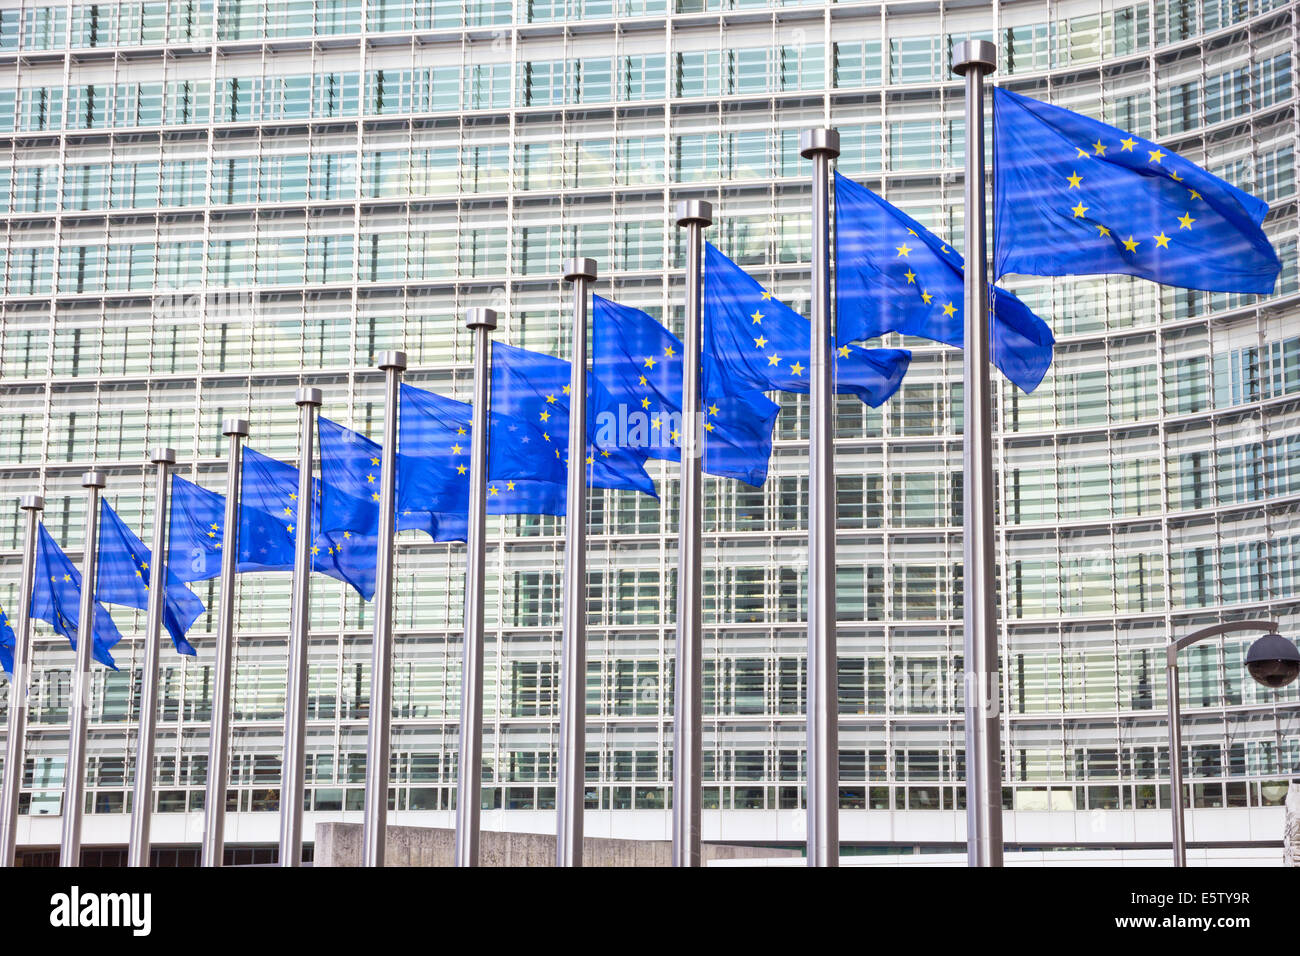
x,y
196,534
271,487
535,387
434,434
56,599
349,466
1078,197
640,363
7,639
433,470
894,275
753,341
122,577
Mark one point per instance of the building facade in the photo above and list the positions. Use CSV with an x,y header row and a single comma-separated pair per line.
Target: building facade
x,y
207,204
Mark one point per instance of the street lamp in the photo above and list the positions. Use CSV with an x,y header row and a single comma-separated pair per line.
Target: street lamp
x,y
1273,661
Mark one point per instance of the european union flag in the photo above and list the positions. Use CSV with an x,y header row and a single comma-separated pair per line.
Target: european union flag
x,y
640,363
195,529
434,435
271,487
196,534
350,470
894,275
1078,197
7,639
122,578
535,387
753,341
56,599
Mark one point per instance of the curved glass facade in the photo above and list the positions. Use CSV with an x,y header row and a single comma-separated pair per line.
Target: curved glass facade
x,y
204,205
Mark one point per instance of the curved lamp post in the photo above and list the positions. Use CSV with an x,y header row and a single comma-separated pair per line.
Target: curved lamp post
x,y
1273,661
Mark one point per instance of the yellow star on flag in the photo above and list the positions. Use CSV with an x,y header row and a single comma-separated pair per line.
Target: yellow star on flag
x,y
1185,221
1074,179
949,309
796,368
1079,211
761,342
774,360
757,317
1156,155
1162,241
1126,145
1098,148
1130,245
904,250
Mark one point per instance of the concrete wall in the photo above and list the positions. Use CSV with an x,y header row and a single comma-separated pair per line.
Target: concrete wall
x,y
339,844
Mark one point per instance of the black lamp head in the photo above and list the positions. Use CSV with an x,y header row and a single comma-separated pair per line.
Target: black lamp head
x,y
1273,660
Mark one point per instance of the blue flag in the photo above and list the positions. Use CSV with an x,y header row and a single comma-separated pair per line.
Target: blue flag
x,y
640,363
535,387
123,578
434,434
753,341
196,535
894,275
433,470
350,470
1078,197
195,531
56,599
7,639
271,487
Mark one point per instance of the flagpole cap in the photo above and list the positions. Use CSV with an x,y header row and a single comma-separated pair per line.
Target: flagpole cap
x,y
979,55
308,396
577,268
93,479
31,503
392,359
477,318
162,456
814,142
690,212
235,426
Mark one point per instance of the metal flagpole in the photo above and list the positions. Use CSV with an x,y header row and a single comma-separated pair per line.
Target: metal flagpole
x,y
974,59
293,768
1175,755
821,146
214,801
688,732
375,828
142,800
569,795
74,773
481,323
16,739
